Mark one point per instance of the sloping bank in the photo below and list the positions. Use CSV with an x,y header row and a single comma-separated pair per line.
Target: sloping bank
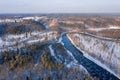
x,y
104,53
12,41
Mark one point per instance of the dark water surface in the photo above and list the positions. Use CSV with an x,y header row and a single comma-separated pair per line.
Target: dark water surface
x,y
92,68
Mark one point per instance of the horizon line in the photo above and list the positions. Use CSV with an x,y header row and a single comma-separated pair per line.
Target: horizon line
x,y
65,13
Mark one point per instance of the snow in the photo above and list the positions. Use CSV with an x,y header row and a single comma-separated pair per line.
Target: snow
x,y
74,63
10,20
33,41
100,37
11,40
36,18
60,39
106,28
71,22
52,51
99,63
46,25
114,27
106,53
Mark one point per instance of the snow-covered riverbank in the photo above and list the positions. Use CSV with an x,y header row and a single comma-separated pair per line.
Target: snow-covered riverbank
x,y
104,53
61,54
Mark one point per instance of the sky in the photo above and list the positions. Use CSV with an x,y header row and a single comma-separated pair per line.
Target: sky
x,y
59,6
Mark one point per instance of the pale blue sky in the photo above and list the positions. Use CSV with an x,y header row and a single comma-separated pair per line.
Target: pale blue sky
x,y
62,6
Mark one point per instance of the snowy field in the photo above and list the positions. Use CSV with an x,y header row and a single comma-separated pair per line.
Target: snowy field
x,y
106,28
